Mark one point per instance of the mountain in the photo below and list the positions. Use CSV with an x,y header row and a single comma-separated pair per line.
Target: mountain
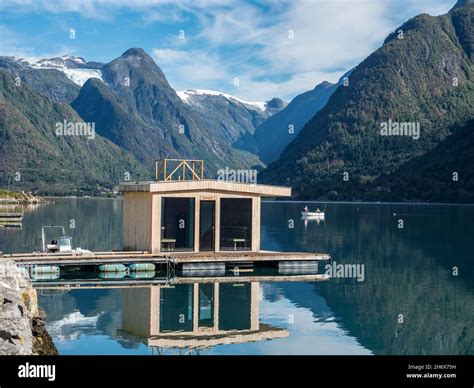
x,y
424,77
50,82
274,106
273,135
229,117
147,117
136,108
446,173
462,3
49,163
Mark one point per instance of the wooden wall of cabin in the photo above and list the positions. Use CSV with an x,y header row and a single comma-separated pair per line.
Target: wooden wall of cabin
x,y
137,218
256,207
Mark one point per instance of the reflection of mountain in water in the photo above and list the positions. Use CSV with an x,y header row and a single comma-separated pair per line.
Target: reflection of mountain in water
x,y
302,295
407,272
81,312
72,325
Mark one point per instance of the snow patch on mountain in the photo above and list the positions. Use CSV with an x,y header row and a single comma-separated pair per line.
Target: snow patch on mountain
x,y
72,325
75,68
80,76
66,61
186,96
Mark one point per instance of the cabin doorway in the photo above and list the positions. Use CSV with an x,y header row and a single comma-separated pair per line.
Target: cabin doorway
x,y
207,225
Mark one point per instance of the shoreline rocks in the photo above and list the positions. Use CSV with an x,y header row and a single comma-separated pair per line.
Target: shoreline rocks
x,y
22,322
22,198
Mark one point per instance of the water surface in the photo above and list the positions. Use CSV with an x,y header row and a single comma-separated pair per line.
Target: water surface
x,y
416,297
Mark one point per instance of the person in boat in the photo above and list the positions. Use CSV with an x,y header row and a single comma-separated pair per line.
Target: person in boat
x,y
306,209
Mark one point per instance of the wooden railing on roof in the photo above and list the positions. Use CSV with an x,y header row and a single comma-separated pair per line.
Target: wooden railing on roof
x,y
179,169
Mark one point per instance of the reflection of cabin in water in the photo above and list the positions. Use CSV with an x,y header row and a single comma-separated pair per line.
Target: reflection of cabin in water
x,y
195,315
182,211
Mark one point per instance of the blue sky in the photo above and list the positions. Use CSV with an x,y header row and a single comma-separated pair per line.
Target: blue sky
x,y
274,48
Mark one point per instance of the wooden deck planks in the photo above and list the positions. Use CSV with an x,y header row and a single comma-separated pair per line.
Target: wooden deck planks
x,y
175,257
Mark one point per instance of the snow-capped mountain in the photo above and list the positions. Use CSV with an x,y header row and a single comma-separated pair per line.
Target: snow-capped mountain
x,y
68,61
229,117
50,82
75,68
189,95
142,117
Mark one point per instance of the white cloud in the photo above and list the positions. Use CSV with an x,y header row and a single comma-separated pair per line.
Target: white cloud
x,y
251,41
170,56
162,17
297,84
330,37
9,46
190,68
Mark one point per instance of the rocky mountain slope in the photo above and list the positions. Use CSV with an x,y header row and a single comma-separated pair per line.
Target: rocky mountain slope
x,y
34,157
137,109
132,104
423,74
444,174
50,82
274,134
230,118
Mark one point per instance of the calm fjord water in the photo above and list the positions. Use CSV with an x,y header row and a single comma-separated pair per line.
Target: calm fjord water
x,y
409,302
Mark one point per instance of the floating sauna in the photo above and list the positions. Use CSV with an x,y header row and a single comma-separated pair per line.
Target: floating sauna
x,y
183,221
183,212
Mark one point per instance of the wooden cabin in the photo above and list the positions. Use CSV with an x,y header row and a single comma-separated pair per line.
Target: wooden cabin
x,y
183,212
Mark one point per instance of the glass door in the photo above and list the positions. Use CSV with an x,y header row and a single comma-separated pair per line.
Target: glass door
x,y
207,221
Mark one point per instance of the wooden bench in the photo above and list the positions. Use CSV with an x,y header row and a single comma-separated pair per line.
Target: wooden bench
x,y
167,244
236,235
237,241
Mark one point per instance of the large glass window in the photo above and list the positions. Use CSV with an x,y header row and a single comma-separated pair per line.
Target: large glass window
x,y
236,224
177,224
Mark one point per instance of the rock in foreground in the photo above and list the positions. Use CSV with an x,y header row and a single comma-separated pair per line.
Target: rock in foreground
x,y
22,330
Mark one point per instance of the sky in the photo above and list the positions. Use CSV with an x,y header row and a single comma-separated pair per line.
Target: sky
x,y
254,50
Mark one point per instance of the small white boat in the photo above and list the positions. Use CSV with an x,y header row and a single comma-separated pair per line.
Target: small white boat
x,y
309,214
62,244
319,214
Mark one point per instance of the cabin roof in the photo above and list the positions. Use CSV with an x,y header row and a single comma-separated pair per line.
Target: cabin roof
x,y
205,340
210,185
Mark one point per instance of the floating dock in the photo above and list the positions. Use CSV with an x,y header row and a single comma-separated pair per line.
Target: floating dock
x,y
186,223
70,284
123,257
11,220
214,266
